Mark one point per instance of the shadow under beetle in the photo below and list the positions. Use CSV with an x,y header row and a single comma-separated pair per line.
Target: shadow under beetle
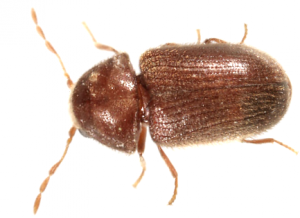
x,y
187,94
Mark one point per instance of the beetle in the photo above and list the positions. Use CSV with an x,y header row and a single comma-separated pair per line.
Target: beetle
x,y
187,94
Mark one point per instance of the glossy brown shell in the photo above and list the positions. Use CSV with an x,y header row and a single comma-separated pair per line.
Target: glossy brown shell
x,y
208,93
105,104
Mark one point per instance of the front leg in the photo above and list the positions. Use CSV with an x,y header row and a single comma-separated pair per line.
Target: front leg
x,y
141,149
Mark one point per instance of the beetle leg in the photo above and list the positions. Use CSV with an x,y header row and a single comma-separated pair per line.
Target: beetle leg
x,y
50,47
210,40
173,171
169,44
175,44
268,140
97,44
245,34
52,171
141,148
199,37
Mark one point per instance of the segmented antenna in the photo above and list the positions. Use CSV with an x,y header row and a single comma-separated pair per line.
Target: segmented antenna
x,y
50,47
71,131
52,171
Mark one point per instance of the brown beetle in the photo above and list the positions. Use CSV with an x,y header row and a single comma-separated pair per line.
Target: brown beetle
x,y
187,94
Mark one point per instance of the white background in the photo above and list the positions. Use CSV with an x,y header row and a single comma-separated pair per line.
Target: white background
x,y
237,180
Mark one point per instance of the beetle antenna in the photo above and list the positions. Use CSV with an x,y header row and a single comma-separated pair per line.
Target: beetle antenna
x,y
50,47
245,34
97,44
52,171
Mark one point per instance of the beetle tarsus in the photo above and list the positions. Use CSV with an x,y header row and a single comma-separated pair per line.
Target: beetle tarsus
x,y
141,149
175,191
245,34
173,172
143,164
199,37
269,140
211,40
